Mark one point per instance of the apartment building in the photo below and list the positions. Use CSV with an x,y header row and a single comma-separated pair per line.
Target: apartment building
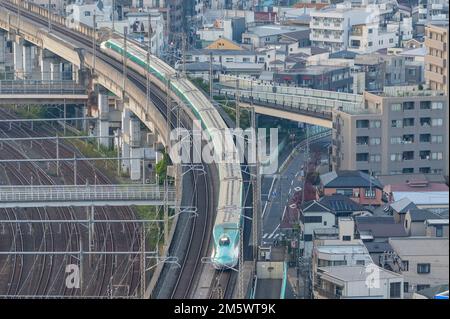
x,y
436,60
401,130
423,260
362,29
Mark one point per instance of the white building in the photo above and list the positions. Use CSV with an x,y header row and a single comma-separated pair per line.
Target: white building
x,y
358,282
359,29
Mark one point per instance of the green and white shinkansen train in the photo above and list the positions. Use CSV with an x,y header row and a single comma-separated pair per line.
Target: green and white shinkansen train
x,y
226,231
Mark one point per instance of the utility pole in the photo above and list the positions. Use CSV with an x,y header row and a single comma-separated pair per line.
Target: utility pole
x,y
113,15
256,222
210,76
125,31
149,47
94,42
49,18
183,39
238,106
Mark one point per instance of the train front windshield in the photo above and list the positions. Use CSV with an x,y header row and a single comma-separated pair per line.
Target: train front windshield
x,y
224,241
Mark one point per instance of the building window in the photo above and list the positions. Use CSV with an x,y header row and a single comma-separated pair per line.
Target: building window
x,y
396,123
396,157
408,156
375,141
87,13
408,170
405,265
439,231
396,140
395,291
437,106
369,193
375,158
423,268
425,138
362,157
408,122
361,262
370,43
425,170
362,123
362,140
437,156
375,124
346,238
396,107
436,122
422,287
406,287
307,237
436,139
407,106
313,219
425,105
345,191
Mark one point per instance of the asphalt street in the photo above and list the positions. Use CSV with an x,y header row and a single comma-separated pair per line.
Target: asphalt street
x,y
277,190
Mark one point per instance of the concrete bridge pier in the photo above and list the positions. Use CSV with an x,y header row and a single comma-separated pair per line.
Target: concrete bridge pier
x,y
103,119
136,151
28,57
2,51
18,58
125,147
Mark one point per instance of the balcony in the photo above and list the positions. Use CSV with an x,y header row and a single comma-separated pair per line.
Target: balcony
x,y
433,76
436,44
326,294
434,60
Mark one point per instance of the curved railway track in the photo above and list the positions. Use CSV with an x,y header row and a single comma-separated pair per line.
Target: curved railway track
x,y
202,227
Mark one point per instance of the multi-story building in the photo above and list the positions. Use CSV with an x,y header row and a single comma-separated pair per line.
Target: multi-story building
x,y
362,29
428,11
406,132
423,262
436,60
353,282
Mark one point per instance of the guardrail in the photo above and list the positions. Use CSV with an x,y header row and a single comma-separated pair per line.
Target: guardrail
x,y
67,193
40,87
282,102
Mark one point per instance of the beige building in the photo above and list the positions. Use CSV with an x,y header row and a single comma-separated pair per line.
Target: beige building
x,y
424,261
436,60
402,130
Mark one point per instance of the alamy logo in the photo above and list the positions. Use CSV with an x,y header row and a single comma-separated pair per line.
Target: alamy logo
x,y
73,279
373,277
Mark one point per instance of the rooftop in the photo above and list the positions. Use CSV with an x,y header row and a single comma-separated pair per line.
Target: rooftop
x,y
420,246
349,179
355,273
403,205
379,226
273,29
420,215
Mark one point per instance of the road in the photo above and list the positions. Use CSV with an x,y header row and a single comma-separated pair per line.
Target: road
x,y
277,190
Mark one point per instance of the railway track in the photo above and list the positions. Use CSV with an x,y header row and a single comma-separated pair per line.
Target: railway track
x,y
43,273
202,227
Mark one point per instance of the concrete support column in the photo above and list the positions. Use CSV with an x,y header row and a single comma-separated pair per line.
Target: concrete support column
x,y
27,61
55,69
2,51
135,149
18,59
67,70
103,119
125,145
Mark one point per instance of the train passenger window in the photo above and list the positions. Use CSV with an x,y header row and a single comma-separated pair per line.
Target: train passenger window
x,y
224,241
